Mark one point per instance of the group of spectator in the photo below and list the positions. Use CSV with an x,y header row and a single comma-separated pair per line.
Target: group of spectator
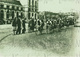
x,y
49,25
38,25
58,24
35,25
18,25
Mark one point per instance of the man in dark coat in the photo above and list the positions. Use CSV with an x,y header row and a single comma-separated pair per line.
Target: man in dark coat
x,y
33,24
19,26
14,25
29,25
23,25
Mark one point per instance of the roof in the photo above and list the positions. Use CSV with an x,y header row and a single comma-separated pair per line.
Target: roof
x,y
11,2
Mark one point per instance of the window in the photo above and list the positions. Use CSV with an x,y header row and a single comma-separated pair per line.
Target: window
x,y
32,9
2,14
21,8
32,3
21,15
2,6
28,9
28,15
12,14
35,10
35,3
17,8
29,3
8,14
17,14
35,16
7,7
32,14
13,7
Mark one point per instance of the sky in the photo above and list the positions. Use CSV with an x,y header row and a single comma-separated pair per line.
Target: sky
x,y
57,5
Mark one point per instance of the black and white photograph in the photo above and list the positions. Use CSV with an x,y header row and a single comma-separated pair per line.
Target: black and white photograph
x,y
39,28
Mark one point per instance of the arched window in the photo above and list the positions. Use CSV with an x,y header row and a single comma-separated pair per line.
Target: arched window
x,y
32,14
17,14
35,16
17,8
28,15
2,6
12,14
2,15
7,14
29,9
32,3
29,2
7,6
22,9
13,7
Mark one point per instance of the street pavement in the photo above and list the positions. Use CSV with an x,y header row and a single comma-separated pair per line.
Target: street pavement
x,y
26,45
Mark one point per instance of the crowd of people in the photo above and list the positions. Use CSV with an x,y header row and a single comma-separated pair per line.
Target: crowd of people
x,y
18,25
39,25
49,25
35,25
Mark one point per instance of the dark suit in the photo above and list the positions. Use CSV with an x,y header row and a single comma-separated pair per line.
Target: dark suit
x,y
23,25
19,26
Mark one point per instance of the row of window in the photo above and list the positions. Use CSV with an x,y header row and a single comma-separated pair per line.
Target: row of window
x,y
30,15
10,14
11,7
36,3
32,9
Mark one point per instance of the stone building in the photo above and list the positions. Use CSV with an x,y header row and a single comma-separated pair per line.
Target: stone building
x,y
48,15
32,9
10,9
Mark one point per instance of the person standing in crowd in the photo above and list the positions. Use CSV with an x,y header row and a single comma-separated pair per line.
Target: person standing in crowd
x,y
14,25
59,23
51,26
41,26
48,26
29,25
23,25
38,25
33,24
19,26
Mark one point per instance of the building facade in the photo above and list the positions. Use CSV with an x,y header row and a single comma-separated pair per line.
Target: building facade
x,y
32,9
10,9
48,15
